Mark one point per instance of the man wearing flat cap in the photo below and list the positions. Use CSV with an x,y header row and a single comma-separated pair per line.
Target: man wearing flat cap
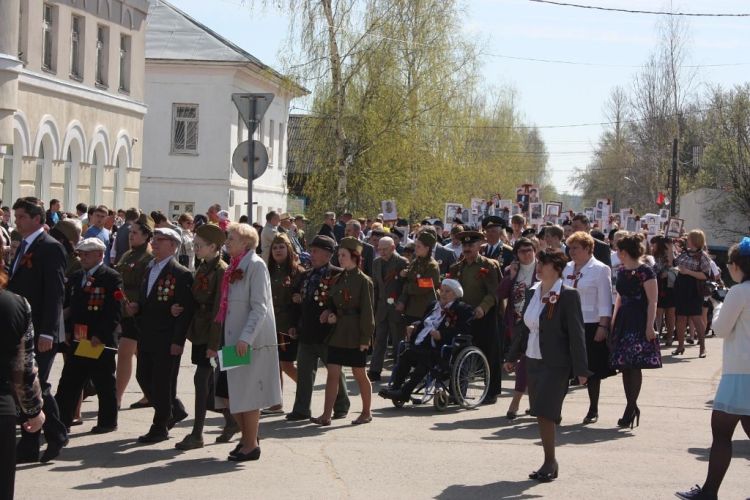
x,y
93,310
445,318
162,335
479,277
313,296
286,226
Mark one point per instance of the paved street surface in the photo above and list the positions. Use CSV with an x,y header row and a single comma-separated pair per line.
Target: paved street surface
x,y
415,452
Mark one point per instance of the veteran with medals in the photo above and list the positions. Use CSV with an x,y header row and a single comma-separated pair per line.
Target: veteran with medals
x,y
479,276
93,311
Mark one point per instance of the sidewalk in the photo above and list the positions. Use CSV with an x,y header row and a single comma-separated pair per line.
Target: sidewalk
x,y
414,452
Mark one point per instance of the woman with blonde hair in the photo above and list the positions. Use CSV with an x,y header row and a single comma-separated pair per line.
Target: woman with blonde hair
x,y
694,268
246,311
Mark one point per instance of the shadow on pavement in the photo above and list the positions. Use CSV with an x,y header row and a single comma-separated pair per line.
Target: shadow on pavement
x,y
162,474
112,454
740,450
500,489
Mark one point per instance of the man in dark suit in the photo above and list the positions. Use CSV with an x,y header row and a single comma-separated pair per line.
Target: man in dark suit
x,y
339,230
162,336
387,283
53,215
312,295
122,243
93,312
329,220
38,273
602,251
443,320
495,248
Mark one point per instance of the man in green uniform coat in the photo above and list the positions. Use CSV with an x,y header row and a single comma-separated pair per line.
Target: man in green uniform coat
x,y
479,277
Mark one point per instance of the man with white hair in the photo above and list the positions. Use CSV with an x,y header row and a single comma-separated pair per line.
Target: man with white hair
x,y
162,335
93,310
444,319
386,269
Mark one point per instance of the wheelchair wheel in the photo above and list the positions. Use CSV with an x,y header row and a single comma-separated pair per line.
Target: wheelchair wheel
x,y
470,377
441,399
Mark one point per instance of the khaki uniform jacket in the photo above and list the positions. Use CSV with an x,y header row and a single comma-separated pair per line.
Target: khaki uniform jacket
x,y
351,300
207,295
479,281
415,297
283,286
388,284
133,267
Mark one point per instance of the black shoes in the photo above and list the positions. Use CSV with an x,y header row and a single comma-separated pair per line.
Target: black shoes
x,y
238,456
338,415
52,451
489,400
139,404
591,417
103,429
296,417
630,419
511,415
395,395
153,437
696,493
545,476
176,418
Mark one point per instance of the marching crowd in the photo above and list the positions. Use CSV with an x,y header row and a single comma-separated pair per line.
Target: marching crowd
x,y
558,305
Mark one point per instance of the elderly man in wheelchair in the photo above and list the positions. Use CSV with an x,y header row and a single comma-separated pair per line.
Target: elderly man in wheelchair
x,y
444,320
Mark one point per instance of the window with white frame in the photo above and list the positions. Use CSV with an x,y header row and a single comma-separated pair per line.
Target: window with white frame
x,y
76,47
124,63
281,145
48,38
184,128
102,44
270,141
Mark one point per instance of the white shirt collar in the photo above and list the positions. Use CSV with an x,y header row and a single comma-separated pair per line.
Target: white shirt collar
x,y
33,236
537,287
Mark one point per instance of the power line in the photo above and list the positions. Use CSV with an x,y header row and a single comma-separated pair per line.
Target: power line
x,y
630,11
603,65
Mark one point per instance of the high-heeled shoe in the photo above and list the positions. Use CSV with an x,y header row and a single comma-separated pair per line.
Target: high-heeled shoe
x,y
678,351
591,418
544,477
630,420
702,353
511,415
253,454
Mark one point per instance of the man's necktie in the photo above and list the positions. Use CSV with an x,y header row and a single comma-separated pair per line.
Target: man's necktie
x,y
19,255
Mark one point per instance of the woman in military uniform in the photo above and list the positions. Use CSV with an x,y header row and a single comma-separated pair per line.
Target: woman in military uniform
x,y
285,271
204,333
422,279
350,308
133,266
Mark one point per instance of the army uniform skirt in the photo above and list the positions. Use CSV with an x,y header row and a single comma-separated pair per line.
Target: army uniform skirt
x,y
548,386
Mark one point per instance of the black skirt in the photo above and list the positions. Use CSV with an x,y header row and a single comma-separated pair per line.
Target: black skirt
x,y
129,328
548,386
346,357
198,355
287,351
666,295
597,354
688,296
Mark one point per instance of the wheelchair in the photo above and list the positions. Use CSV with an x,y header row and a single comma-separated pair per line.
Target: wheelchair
x,y
461,376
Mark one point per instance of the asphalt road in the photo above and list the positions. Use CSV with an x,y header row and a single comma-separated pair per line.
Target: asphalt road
x,y
414,452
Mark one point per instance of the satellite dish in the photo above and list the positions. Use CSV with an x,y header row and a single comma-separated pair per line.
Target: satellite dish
x,y
239,159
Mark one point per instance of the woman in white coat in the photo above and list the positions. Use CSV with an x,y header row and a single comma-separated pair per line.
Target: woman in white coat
x,y
246,309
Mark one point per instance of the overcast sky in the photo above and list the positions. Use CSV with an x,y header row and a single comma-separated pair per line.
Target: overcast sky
x,y
548,93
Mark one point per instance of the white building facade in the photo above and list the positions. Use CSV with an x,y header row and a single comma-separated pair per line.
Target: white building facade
x,y
193,127
71,100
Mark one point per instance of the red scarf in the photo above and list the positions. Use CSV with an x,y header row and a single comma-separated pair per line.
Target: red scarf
x,y
224,302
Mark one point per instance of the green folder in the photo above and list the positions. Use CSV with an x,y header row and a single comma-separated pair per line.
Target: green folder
x,y
230,357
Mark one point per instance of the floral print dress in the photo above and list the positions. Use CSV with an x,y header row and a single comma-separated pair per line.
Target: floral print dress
x,y
630,348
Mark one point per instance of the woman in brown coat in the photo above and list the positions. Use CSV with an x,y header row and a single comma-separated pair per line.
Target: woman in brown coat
x,y
422,279
285,270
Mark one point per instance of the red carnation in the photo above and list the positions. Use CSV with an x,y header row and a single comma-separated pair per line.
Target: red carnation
x,y
119,295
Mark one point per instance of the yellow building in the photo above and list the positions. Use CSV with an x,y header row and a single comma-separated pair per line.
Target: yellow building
x,y
71,100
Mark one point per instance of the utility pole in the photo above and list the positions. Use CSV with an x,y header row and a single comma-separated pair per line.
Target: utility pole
x,y
675,188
